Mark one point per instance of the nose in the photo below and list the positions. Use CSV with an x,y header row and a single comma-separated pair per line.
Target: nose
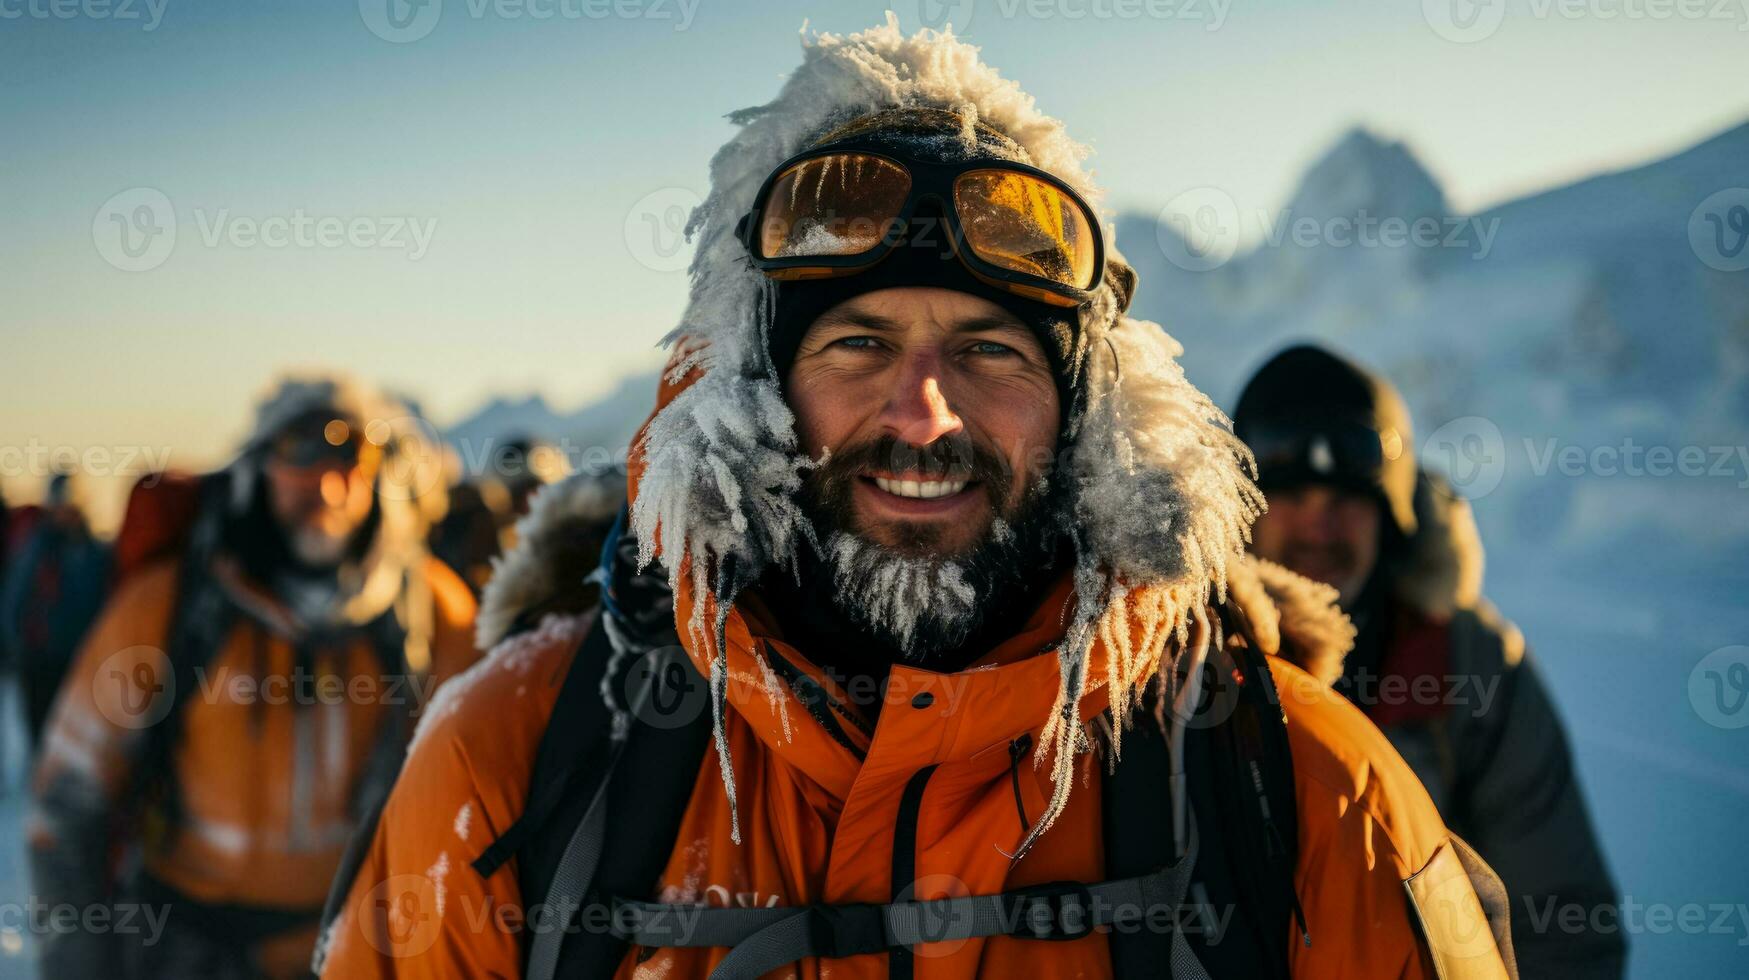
x,y
1318,514
916,411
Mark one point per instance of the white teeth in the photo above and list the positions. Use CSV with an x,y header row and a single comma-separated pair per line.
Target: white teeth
x,y
920,489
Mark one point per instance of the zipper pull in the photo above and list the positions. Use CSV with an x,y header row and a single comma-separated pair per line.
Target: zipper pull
x,y
1017,750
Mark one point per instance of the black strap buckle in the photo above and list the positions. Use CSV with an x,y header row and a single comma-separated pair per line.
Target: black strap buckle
x,y
1056,911
846,930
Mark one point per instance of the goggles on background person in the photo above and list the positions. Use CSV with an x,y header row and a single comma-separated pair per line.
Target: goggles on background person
x,y
318,440
837,210
1344,452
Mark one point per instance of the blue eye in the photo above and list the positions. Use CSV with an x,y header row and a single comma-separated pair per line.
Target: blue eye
x,y
856,343
991,347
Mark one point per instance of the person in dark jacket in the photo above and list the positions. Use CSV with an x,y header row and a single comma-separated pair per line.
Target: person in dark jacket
x,y
53,590
1435,666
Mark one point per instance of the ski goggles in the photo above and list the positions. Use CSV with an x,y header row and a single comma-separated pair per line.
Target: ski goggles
x,y
1336,452
838,210
318,441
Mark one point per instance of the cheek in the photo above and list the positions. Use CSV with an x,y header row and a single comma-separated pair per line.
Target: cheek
x,y
1360,526
1020,417
826,410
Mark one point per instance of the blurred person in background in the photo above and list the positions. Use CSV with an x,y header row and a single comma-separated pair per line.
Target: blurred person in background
x,y
54,585
245,696
1434,665
484,509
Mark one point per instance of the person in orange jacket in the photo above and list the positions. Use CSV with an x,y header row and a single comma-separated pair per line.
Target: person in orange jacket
x,y
240,700
928,645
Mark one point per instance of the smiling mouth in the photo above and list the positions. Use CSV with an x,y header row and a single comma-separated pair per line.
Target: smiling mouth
x,y
920,489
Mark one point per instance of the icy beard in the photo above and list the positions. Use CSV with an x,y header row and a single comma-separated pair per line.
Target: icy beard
x,y
920,602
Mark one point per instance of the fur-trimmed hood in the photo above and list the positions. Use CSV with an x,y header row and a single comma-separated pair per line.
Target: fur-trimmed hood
x,y
1440,570
1160,491
558,543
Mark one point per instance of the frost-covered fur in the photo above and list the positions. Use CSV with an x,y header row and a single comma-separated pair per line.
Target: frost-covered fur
x,y
529,574
1159,486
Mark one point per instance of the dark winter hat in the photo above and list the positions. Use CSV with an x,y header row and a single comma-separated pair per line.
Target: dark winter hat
x,y
1311,416
925,258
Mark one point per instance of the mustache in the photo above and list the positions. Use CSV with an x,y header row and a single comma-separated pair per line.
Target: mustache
x,y
954,457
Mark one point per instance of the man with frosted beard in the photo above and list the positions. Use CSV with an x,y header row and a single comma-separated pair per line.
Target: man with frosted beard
x,y
244,696
928,646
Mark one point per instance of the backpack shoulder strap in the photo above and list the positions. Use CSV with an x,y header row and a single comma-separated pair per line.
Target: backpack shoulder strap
x,y
1240,782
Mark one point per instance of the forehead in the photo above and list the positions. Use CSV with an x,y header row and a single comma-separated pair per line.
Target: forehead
x,y
920,313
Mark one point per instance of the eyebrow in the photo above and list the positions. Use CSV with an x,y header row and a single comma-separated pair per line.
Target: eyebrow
x,y
883,324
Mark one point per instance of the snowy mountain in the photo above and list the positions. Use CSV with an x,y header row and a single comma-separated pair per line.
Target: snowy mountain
x,y
607,423
1585,320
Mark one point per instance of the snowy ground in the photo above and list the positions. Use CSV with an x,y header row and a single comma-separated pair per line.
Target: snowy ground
x,y
15,947
1667,788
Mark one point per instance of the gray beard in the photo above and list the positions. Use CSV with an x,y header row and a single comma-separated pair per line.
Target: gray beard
x,y
918,605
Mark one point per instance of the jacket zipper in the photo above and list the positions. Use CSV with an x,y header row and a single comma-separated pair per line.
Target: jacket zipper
x,y
900,960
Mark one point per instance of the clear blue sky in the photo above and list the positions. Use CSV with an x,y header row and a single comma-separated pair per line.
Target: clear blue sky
x,y
535,143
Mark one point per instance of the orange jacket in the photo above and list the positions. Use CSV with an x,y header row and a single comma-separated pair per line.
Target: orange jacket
x,y
269,758
816,821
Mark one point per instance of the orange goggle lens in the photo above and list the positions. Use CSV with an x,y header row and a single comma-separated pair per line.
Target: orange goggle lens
x,y
1017,222
837,205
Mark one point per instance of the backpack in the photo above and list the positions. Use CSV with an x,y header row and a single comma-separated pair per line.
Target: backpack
x,y
609,789
160,516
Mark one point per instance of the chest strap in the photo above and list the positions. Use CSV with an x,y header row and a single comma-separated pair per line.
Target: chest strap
x,y
762,940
